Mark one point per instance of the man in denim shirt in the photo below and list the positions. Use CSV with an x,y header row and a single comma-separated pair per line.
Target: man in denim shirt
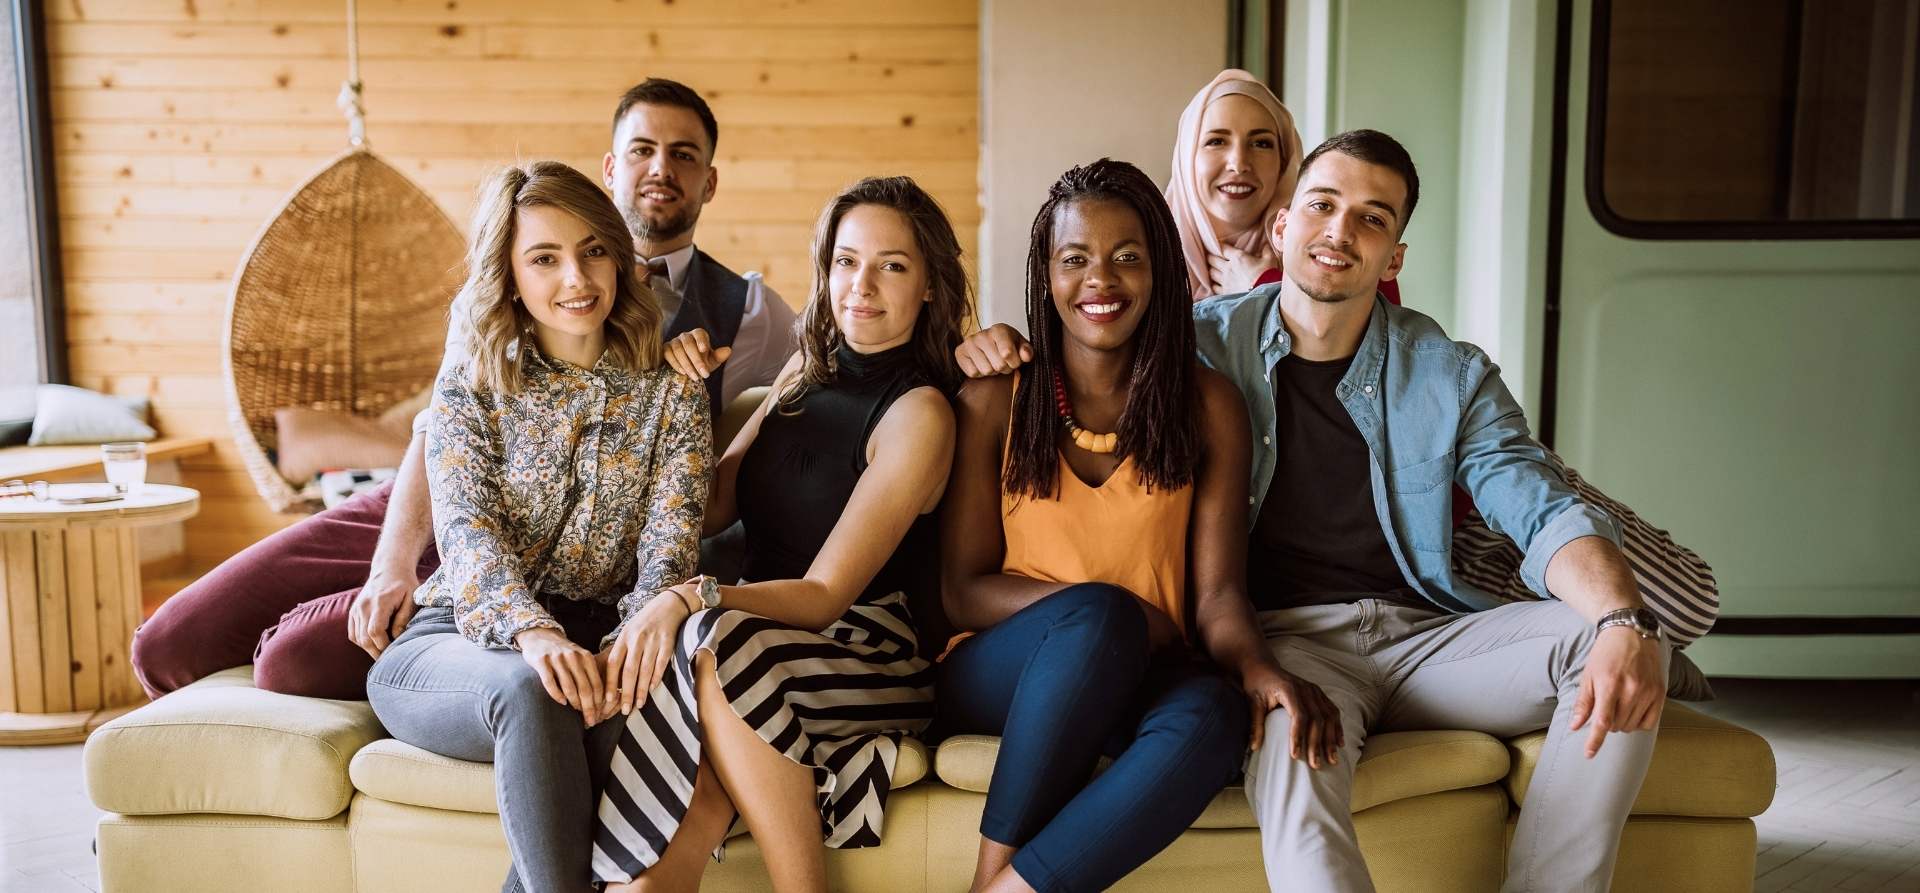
x,y
1365,414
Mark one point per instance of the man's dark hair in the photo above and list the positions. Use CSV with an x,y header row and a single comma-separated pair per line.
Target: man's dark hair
x,y
660,91
1373,147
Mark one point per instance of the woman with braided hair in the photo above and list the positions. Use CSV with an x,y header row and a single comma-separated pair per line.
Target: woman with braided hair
x,y
1087,490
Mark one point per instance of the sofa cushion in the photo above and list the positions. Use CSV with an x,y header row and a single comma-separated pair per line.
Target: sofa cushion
x,y
206,853
1393,766
1702,766
401,773
221,745
1402,765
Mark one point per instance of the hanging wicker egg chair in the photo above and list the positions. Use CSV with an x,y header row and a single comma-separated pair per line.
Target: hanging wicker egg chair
x,y
341,306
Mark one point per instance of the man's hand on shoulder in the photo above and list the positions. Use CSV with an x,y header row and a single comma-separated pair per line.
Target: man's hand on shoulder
x,y
1622,688
693,355
995,350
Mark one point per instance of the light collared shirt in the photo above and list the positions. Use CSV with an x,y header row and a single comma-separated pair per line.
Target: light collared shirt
x,y
1434,413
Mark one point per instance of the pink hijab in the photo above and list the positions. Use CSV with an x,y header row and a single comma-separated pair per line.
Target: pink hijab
x,y
1197,238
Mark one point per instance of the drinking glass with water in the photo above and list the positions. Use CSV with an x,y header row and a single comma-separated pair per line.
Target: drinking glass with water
x,y
126,465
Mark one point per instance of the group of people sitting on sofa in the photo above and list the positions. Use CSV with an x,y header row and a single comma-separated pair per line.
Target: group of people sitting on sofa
x,y
1200,524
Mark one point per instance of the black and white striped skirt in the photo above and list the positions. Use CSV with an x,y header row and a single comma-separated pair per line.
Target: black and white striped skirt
x,y
837,702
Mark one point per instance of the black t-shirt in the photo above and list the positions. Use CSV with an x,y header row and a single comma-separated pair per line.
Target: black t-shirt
x,y
1318,539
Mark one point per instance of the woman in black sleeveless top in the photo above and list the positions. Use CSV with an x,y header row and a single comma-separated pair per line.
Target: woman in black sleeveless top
x,y
794,688
796,476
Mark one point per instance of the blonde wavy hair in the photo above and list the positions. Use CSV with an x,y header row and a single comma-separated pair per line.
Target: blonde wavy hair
x,y
499,321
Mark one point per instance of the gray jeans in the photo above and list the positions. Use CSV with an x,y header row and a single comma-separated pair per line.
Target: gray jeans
x,y
1389,668
438,691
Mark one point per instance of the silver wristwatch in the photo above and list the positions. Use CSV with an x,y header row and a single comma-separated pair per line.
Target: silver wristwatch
x,y
1644,622
708,589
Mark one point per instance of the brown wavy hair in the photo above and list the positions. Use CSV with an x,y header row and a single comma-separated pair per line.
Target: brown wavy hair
x,y
1158,427
942,320
501,327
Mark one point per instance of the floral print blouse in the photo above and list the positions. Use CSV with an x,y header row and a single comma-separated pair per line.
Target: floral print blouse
x,y
588,484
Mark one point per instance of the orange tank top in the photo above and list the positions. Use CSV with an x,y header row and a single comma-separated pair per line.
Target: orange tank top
x,y
1118,533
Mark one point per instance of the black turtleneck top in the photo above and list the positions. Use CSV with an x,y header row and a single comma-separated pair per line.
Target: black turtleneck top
x,y
798,474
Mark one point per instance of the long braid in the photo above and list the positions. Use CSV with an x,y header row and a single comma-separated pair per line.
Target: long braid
x,y
1158,426
1031,468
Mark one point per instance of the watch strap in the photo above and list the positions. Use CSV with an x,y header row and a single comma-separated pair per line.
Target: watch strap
x,y
1631,618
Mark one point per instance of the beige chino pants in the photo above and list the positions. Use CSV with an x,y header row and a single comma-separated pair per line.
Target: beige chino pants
x,y
1389,668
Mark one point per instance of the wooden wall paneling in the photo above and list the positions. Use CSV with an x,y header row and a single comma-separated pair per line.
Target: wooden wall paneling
x,y
814,76
150,40
510,140
154,328
83,622
575,13
446,172
877,108
56,653
148,297
180,127
915,43
626,40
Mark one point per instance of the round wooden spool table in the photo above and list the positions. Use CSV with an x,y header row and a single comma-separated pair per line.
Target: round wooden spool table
x,y
69,603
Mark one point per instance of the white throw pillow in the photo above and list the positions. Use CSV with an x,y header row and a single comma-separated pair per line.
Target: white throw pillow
x,y
77,415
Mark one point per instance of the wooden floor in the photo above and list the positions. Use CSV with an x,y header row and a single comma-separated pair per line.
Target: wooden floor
x,y
1847,816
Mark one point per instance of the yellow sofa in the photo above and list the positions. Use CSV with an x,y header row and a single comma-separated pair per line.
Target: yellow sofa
x,y
224,787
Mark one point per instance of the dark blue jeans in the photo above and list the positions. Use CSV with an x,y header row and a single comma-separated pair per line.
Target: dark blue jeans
x,y
1063,682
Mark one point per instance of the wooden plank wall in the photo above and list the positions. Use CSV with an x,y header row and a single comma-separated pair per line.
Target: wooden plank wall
x,y
181,126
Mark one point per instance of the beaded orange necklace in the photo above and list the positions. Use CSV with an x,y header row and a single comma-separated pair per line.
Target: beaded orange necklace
x,y
1082,438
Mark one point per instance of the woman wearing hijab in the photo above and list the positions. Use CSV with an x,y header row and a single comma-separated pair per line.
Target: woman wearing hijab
x,y
1236,157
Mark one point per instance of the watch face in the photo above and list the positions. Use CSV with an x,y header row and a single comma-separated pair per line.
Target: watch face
x,y
1646,619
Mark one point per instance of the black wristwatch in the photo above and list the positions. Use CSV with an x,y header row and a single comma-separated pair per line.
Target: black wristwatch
x,y
1643,621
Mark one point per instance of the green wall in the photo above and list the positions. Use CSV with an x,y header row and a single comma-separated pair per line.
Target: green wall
x,y
1756,398
1395,67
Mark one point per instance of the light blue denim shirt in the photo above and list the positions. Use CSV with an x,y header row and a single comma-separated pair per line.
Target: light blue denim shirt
x,y
1433,412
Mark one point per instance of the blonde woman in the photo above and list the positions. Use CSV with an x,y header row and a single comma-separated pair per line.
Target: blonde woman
x,y
568,469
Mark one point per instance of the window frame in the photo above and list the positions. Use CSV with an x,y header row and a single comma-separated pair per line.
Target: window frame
x,y
1600,40
43,211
